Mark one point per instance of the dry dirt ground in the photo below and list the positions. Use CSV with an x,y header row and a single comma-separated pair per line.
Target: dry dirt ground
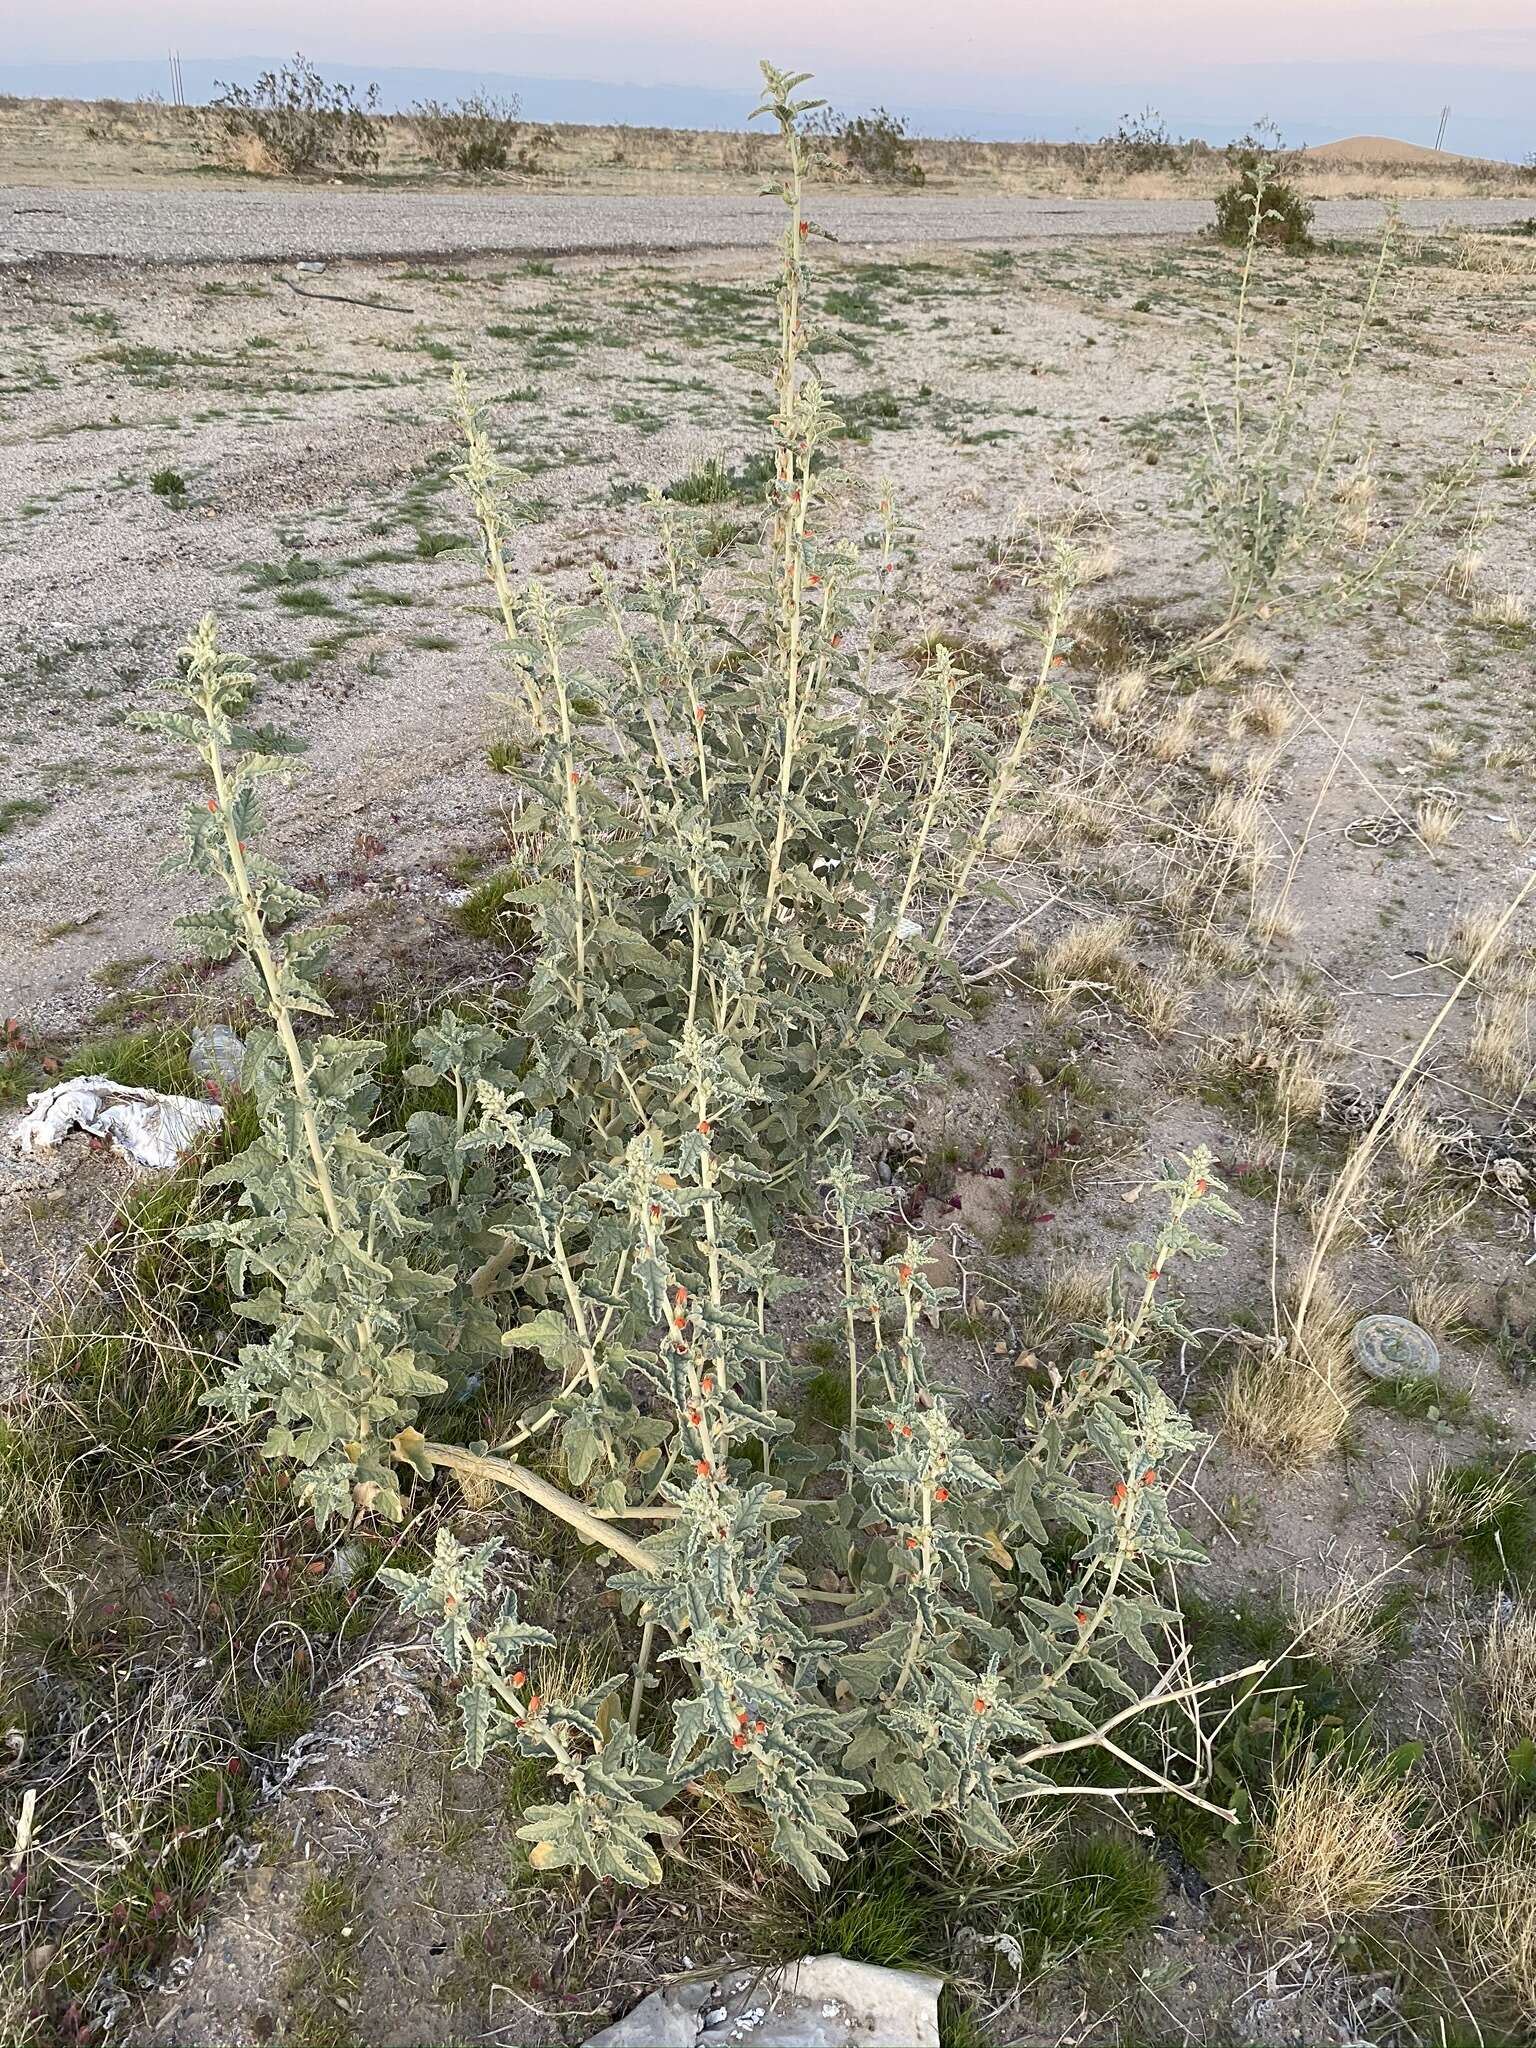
x,y
273,446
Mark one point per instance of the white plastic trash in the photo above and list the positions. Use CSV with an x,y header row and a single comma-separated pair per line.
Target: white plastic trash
x,y
148,1128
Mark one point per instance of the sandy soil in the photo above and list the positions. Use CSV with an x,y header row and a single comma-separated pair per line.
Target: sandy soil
x,y
1003,387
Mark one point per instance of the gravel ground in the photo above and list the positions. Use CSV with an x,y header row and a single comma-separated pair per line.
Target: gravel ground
x,y
220,224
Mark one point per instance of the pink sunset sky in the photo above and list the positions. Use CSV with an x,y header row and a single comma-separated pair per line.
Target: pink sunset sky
x,y
695,39
981,67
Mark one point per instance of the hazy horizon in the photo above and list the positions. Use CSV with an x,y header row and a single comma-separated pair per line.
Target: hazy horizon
x,y
1317,69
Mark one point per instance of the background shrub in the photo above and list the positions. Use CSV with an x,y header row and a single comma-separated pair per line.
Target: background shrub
x,y
876,146
294,121
476,134
1143,142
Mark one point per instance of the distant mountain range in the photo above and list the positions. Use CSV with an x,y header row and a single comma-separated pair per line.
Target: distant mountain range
x,y
1493,111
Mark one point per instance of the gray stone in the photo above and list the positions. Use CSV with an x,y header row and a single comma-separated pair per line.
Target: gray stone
x,y
820,2002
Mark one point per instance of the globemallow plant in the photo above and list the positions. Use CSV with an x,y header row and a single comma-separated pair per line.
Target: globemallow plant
x,y
746,849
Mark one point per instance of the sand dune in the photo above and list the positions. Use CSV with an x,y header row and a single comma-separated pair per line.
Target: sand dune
x,y
1385,149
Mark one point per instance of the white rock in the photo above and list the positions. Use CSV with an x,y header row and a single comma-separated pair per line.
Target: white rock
x,y
821,2002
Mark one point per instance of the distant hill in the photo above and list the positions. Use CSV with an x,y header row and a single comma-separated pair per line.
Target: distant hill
x,y
1385,149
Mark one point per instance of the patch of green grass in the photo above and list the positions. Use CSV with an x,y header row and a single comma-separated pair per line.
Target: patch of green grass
x,y
486,913
709,484
279,1713
141,361
1499,1547
718,537
308,603
13,809
1425,1399
1093,1896
826,1399
154,1058
297,569
169,484
877,1909
430,545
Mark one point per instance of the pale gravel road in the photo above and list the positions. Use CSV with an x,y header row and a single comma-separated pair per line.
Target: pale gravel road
x,y
222,225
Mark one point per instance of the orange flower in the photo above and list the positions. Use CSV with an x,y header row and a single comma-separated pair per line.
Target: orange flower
x,y
1081,1617
702,1468
904,1274
1118,1495
941,1493
979,1705
519,1678
1149,1477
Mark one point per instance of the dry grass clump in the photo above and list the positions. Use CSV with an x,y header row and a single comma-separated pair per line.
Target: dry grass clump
x,y
1502,608
1157,998
1264,711
1290,1404
1443,1307
1280,1078
1243,656
1340,1841
1340,1625
1089,956
1116,697
1419,1145
1356,498
1287,1006
1069,1296
1473,929
1503,1674
1285,1408
1444,1502
1172,739
1499,1048
1465,570
1508,958
1492,1910
1436,818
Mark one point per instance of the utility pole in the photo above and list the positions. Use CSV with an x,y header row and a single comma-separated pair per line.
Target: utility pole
x,y
178,95
1445,115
